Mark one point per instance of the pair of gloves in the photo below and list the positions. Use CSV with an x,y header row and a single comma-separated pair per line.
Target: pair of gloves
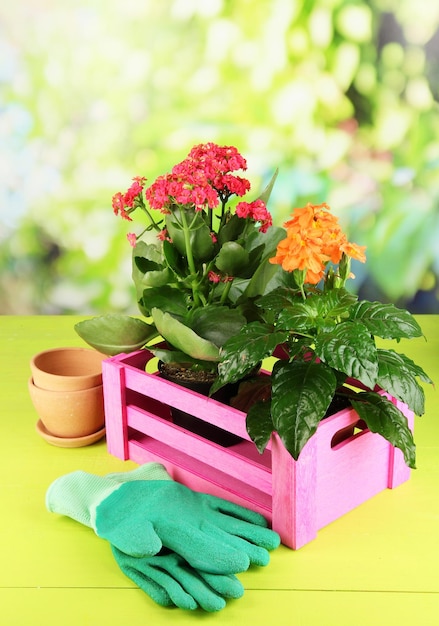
x,y
181,547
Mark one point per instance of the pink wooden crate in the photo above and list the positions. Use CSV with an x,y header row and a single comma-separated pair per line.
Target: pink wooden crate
x,y
336,471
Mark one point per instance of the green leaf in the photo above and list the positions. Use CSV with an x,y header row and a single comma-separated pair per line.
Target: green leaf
x,y
397,378
172,356
231,230
147,255
176,262
263,279
416,370
184,338
266,193
386,320
113,334
259,424
263,275
381,416
232,258
265,243
301,316
298,346
245,350
301,394
277,300
321,310
145,265
167,298
335,303
148,268
349,348
216,323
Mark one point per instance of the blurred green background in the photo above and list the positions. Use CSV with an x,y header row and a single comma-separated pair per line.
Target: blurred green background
x,y
341,95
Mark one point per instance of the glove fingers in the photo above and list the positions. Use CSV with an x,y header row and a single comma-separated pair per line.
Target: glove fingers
x,y
257,535
256,554
170,581
157,592
154,581
205,551
227,586
205,597
237,511
208,590
192,582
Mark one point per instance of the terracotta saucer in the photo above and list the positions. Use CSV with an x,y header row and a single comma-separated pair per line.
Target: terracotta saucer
x,y
68,442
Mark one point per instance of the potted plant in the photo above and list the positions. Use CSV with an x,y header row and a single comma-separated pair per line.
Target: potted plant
x,y
198,263
325,337
226,290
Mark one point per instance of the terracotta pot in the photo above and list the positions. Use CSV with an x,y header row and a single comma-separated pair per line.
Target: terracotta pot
x,y
66,390
70,414
67,369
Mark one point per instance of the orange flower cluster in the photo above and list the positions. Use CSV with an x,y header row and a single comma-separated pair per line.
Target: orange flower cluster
x,y
314,237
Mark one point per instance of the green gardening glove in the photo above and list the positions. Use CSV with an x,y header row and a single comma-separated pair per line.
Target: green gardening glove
x,y
140,516
170,581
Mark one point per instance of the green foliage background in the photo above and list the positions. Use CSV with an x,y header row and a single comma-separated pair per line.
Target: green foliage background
x,y
342,95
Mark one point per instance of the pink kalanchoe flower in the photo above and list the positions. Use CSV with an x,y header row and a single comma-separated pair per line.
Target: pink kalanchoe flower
x,y
140,179
180,188
234,184
256,211
157,195
121,202
243,209
163,235
214,277
132,238
216,163
216,158
131,195
200,180
118,204
261,215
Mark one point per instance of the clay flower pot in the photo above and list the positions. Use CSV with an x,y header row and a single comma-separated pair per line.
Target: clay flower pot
x,y
66,391
69,414
67,369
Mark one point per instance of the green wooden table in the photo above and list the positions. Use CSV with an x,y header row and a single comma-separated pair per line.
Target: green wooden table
x,y
376,566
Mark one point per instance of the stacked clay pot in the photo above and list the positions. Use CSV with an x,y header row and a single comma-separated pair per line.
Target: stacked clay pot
x,y
67,393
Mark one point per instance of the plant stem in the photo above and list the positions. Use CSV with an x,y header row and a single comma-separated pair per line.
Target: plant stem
x,y
190,258
154,224
223,211
225,292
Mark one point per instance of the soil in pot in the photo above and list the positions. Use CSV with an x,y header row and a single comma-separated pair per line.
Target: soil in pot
x,y
201,382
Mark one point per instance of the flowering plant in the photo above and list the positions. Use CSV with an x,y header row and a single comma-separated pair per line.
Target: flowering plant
x,y
325,337
198,264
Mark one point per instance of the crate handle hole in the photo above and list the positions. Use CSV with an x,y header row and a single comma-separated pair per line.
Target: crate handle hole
x,y
349,433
